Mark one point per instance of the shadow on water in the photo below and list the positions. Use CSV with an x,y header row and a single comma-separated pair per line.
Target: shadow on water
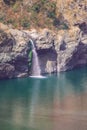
x,y
77,79
52,103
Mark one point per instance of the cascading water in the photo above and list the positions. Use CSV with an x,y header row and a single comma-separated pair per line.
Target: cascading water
x,y
35,62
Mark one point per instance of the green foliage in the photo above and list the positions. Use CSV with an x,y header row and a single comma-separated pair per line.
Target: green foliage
x,y
36,7
30,55
61,26
25,22
10,21
65,26
15,7
43,1
28,9
1,18
60,22
39,13
43,11
51,14
44,6
53,5
30,58
15,25
34,19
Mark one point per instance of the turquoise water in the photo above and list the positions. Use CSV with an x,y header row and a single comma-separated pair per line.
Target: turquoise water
x,y
57,102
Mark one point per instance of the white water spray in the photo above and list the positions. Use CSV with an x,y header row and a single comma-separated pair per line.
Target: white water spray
x,y
35,62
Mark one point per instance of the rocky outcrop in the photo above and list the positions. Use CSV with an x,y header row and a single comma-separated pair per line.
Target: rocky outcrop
x,y
13,54
61,51
74,51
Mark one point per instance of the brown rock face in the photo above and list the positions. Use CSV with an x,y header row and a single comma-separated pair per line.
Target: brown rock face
x,y
13,54
57,52
6,71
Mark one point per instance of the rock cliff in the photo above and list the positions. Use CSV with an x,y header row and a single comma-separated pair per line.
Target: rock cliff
x,y
13,54
57,51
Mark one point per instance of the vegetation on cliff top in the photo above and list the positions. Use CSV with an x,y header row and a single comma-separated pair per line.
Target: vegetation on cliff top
x,y
52,14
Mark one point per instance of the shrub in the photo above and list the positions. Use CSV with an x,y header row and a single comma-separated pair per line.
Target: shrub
x,y
65,26
15,25
43,1
1,18
56,22
25,23
10,21
51,14
28,9
60,22
36,8
16,7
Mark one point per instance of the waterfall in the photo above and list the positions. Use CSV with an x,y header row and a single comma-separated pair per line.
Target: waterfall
x,y
35,62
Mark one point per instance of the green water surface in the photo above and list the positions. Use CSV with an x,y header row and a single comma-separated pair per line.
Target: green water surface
x,y
57,102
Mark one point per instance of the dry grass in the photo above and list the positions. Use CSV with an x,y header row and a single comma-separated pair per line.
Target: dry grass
x,y
43,13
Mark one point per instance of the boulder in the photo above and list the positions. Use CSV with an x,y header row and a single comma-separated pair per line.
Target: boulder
x,y
14,51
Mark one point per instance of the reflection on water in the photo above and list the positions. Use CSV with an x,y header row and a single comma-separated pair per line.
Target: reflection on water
x,y
52,103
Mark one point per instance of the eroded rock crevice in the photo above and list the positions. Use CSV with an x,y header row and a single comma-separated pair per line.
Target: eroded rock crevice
x,y
48,60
